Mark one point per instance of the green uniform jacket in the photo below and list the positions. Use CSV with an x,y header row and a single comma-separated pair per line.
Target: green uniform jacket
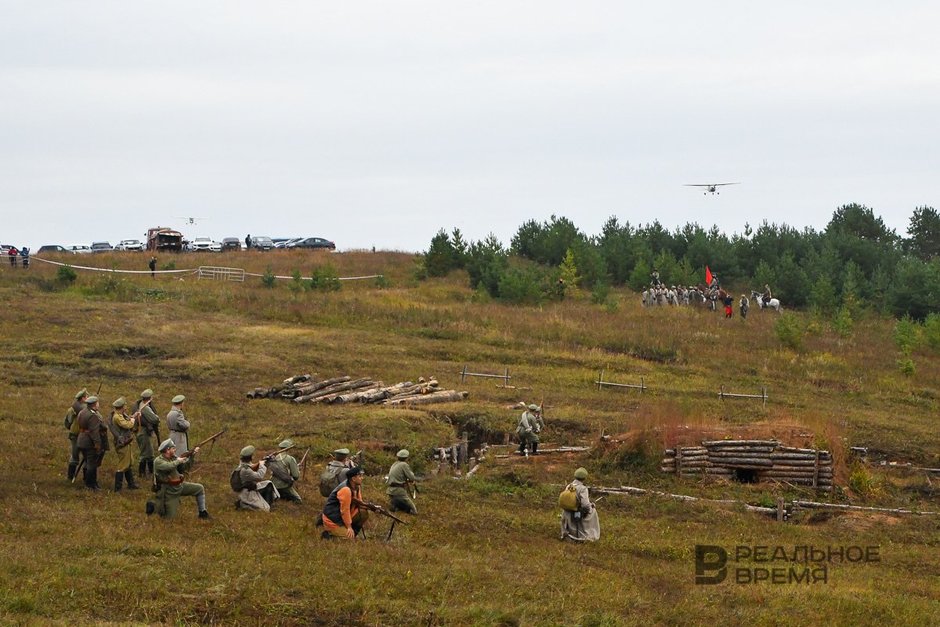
x,y
166,471
398,475
93,432
292,468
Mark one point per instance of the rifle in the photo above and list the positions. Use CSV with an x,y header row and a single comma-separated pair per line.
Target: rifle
x,y
303,464
211,438
78,468
378,509
270,456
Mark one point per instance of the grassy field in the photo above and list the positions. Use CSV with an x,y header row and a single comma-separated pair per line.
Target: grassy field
x,y
482,551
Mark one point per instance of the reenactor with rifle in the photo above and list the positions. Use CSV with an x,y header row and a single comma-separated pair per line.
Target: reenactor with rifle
x,y
335,471
71,424
124,429
170,484
248,481
401,485
530,424
149,427
579,521
177,424
285,471
92,441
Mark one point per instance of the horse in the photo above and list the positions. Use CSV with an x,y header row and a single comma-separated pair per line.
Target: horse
x,y
773,304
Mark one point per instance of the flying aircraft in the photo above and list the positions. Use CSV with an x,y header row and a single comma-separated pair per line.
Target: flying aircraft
x,y
710,188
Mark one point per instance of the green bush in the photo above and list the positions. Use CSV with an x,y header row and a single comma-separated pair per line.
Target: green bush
x,y
906,333
325,279
600,293
932,331
170,265
906,366
842,322
296,284
789,331
66,275
268,279
520,285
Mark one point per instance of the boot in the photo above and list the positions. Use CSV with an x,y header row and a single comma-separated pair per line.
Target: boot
x,y
142,468
535,448
522,448
91,478
72,467
150,466
129,476
118,481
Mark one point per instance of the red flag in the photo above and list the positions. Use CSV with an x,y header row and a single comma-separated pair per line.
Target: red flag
x,y
708,276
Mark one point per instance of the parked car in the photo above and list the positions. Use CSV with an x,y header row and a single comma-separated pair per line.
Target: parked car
x,y
5,249
80,249
314,242
130,244
231,243
262,242
205,244
101,247
280,241
287,243
53,248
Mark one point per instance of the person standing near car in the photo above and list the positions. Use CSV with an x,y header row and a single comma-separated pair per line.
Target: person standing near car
x,y
248,242
152,265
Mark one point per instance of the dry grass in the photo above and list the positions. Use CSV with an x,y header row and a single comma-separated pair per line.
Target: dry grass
x,y
482,551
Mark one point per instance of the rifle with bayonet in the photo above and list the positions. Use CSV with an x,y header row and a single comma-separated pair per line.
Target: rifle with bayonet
x,y
303,464
270,456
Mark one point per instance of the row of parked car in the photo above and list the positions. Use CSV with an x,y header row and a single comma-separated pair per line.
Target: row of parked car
x,y
199,244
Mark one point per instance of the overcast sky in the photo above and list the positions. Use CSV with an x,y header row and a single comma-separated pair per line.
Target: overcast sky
x,y
378,123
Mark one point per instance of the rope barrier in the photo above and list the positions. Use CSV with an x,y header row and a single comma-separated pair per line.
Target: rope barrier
x,y
92,268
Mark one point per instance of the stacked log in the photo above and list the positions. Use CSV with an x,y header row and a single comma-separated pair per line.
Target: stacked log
x,y
767,460
344,389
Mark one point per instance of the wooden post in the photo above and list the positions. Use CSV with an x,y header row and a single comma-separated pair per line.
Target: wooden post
x,y
463,449
600,378
816,471
678,460
507,378
780,509
463,374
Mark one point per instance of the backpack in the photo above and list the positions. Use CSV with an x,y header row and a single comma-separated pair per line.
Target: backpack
x,y
331,477
236,480
280,471
568,499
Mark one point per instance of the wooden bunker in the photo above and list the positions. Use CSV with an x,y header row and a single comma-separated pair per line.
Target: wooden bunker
x,y
751,461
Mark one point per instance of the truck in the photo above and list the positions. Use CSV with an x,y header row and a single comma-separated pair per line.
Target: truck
x,y
163,238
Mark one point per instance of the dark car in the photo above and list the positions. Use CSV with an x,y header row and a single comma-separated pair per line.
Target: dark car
x,y
101,247
53,248
262,242
314,242
231,243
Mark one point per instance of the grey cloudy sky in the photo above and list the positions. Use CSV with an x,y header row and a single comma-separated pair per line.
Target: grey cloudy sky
x,y
377,123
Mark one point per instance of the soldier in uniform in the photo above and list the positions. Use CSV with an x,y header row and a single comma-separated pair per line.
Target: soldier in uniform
x,y
400,478
124,429
743,305
92,440
149,427
256,493
170,484
581,525
335,471
530,424
71,424
341,516
178,425
284,472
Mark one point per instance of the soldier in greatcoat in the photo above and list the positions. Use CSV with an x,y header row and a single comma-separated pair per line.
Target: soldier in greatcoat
x,y
581,525
92,441
178,425
124,430
149,427
71,424
256,493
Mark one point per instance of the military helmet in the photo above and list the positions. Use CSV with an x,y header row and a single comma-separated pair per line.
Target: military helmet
x,y
341,451
179,398
91,400
148,393
403,454
581,473
286,443
168,443
82,392
248,451
119,403
533,407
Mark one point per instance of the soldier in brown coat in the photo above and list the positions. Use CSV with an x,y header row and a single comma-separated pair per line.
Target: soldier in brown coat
x,y
71,424
92,441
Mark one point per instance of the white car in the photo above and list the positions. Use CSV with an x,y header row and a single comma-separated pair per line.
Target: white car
x,y
80,249
205,244
130,244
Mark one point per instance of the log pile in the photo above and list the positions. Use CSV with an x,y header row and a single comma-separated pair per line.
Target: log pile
x,y
759,460
344,389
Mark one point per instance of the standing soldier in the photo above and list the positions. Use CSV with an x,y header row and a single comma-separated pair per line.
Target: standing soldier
x,y
71,423
124,428
285,472
401,481
528,429
743,305
170,482
152,264
92,441
178,425
149,427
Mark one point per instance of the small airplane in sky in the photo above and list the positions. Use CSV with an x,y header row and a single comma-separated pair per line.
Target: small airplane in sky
x,y
710,188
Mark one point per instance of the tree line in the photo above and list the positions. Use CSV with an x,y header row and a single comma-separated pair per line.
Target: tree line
x,y
856,261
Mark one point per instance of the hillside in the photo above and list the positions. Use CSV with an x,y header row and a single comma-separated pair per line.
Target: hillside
x,y
483,550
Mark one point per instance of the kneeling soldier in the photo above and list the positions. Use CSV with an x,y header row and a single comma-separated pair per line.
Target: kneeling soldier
x,y
285,472
254,492
170,485
400,479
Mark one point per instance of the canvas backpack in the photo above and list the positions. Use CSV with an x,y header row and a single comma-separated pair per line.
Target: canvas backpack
x,y
568,499
331,477
236,480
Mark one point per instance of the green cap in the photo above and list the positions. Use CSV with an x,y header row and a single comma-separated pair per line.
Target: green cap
x,y
91,400
82,392
167,443
403,454
286,443
119,403
179,398
248,451
341,451
533,407
148,393
581,473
